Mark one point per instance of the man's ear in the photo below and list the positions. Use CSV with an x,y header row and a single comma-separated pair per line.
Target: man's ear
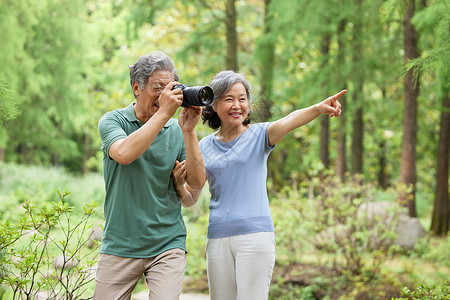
x,y
136,88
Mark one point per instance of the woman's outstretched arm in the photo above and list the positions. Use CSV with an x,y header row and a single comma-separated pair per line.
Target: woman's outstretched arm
x,y
278,129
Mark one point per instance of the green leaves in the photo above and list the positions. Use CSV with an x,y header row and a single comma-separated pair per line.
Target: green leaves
x,y
45,250
424,291
89,208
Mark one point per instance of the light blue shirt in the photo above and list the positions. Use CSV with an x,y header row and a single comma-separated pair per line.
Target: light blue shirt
x,y
237,175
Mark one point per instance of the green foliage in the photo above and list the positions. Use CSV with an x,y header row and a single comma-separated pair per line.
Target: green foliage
x,y
43,61
9,109
427,292
331,216
437,251
196,258
19,183
196,220
326,219
302,271
67,63
289,291
8,106
43,253
436,57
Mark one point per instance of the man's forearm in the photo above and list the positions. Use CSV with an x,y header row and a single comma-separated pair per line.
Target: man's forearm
x,y
133,146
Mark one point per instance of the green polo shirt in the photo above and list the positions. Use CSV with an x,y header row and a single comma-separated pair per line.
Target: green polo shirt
x,y
142,212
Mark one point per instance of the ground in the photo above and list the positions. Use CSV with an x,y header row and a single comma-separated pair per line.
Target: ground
x,y
184,296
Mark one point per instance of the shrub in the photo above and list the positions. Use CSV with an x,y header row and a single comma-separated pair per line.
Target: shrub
x,y
427,292
28,249
326,214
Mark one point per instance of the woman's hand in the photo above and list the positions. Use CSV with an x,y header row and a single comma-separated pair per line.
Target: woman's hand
x,y
179,174
189,117
331,105
188,196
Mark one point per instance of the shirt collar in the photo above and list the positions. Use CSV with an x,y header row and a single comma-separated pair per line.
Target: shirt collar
x,y
128,112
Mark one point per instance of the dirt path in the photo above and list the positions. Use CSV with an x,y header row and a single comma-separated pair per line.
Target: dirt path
x,y
185,296
194,297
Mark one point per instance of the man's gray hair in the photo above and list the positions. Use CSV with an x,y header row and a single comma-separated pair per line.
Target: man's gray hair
x,y
147,64
224,80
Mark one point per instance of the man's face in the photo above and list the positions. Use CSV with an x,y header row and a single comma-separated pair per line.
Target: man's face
x,y
148,98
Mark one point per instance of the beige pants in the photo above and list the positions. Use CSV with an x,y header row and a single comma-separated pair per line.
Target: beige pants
x,y
117,276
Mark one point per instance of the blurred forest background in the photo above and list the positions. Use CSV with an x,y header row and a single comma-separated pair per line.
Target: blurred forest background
x,y
63,64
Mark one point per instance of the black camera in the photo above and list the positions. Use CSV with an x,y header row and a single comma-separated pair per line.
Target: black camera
x,y
196,95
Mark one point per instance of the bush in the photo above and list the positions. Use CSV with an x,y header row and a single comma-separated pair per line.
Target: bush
x,y
427,292
327,246
19,183
326,214
43,253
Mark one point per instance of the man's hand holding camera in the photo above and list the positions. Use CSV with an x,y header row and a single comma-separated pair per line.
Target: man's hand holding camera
x,y
170,99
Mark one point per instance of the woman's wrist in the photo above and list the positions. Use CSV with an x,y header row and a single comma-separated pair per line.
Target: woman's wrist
x,y
316,108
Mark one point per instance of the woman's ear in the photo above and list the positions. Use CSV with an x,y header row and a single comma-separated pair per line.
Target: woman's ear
x,y
213,106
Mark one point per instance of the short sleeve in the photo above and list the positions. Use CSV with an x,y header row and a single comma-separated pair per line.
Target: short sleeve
x,y
182,154
110,131
265,128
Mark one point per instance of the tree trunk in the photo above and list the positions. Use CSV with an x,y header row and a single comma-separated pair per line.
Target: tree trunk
x,y
358,99
341,152
231,33
440,222
383,177
267,63
324,119
408,162
358,130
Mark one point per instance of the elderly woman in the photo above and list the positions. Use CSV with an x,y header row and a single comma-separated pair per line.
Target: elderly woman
x,y
240,243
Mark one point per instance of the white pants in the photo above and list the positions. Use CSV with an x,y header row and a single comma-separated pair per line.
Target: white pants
x,y
240,267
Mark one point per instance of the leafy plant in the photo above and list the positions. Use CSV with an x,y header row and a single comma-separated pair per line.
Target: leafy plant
x,y
43,253
427,292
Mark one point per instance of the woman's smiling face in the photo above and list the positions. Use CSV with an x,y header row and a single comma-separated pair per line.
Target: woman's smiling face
x,y
233,107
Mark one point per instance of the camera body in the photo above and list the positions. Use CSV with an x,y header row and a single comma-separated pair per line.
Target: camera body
x,y
196,95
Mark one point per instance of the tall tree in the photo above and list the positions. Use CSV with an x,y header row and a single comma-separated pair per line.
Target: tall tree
x,y
216,30
16,22
408,160
433,21
357,93
440,224
223,13
232,37
266,55
440,221
45,68
325,120
341,162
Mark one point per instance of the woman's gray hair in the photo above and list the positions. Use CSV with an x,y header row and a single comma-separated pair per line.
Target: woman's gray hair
x,y
147,64
224,80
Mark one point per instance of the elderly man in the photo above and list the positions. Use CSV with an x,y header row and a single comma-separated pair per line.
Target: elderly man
x,y
144,229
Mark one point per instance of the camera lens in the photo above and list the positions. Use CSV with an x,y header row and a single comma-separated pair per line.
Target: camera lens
x,y
196,95
206,95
